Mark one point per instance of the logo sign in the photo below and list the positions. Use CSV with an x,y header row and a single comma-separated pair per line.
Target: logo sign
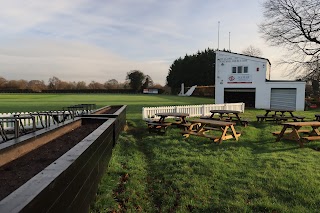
x,y
240,79
232,78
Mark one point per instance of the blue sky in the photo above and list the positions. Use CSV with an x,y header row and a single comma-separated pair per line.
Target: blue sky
x,y
99,40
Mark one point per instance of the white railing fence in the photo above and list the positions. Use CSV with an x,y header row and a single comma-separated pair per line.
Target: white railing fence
x,y
40,120
192,110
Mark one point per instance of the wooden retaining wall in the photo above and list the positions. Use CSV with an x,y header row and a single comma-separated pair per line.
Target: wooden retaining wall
x,y
70,183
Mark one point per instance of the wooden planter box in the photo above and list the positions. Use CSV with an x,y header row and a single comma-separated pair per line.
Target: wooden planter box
x,y
68,184
114,111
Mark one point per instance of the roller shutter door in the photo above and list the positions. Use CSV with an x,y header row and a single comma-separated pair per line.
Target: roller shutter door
x,y
283,99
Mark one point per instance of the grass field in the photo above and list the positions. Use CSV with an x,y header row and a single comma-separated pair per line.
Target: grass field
x,y
167,173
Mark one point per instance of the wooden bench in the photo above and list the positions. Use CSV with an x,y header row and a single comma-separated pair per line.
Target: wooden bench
x,y
310,138
186,126
212,128
263,117
212,137
279,119
289,131
158,127
301,118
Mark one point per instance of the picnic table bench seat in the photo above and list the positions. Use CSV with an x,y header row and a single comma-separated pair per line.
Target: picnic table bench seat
x,y
244,121
310,138
289,131
158,127
285,118
212,137
264,117
212,128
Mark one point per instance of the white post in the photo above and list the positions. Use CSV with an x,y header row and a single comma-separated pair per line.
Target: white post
x,y
182,89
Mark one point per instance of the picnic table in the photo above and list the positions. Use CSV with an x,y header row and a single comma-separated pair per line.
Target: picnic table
x,y
292,131
227,115
220,127
18,126
279,115
161,125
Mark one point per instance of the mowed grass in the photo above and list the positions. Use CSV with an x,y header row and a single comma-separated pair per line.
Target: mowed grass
x,y
168,173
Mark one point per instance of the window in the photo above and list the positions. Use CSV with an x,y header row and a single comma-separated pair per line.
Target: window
x,y
240,69
234,70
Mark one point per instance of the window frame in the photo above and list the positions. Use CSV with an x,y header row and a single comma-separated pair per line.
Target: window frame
x,y
241,69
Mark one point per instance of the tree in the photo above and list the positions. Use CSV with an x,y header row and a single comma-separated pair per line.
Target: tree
x,y
294,25
111,84
197,69
136,79
54,83
36,85
148,82
12,84
81,85
252,51
95,85
3,82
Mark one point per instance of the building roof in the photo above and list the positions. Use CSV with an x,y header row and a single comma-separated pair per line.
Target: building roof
x,y
244,55
282,81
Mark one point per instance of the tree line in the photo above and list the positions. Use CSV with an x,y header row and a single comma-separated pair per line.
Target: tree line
x,y
135,81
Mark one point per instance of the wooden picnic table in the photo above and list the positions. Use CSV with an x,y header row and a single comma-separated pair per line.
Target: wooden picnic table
x,y
204,125
161,126
279,115
281,111
228,115
181,116
292,131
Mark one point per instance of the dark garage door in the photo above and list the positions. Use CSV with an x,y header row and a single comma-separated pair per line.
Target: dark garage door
x,y
247,96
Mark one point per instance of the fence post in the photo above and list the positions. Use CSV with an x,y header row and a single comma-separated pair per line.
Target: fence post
x,y
203,110
143,113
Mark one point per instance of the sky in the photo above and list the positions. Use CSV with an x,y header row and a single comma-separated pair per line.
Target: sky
x,y
99,40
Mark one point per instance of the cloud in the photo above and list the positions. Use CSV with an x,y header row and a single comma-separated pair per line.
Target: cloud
x,y
94,40
70,61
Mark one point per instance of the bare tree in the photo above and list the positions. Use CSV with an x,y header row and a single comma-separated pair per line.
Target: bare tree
x,y
36,85
252,51
95,85
81,85
111,84
3,82
294,25
54,83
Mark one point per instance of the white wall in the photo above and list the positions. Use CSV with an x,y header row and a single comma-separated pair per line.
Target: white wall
x,y
263,95
258,71
224,63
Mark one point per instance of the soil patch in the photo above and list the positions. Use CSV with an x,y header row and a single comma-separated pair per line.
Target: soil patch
x,y
17,172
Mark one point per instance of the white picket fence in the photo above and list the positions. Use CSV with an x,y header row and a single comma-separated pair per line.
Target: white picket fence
x,y
192,110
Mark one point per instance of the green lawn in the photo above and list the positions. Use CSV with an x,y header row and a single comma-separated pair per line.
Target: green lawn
x,y
167,173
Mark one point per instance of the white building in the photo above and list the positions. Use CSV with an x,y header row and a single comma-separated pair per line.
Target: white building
x,y
242,78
